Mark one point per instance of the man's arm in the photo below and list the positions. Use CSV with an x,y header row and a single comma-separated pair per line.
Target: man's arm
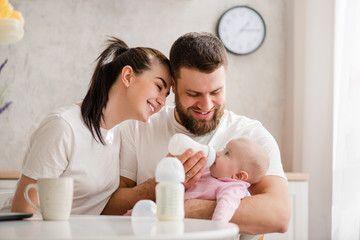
x,y
125,197
267,210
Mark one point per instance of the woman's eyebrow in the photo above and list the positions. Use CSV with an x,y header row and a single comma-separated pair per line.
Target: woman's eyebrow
x,y
163,81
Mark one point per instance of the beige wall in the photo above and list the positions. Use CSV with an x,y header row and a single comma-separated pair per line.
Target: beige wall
x,y
52,65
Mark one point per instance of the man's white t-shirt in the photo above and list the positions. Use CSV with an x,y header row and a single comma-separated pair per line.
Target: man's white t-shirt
x,y
143,145
63,146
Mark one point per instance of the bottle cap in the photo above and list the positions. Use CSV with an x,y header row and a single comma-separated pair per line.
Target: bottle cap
x,y
170,169
144,208
211,157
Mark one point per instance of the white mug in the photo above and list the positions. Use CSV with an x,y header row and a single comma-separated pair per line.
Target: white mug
x,y
55,197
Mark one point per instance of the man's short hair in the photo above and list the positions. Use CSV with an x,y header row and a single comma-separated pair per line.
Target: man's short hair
x,y
201,51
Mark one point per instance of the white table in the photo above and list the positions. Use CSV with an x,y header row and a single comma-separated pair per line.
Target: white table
x,y
115,227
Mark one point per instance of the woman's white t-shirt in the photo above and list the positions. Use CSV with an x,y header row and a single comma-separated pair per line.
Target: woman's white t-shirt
x,y
63,146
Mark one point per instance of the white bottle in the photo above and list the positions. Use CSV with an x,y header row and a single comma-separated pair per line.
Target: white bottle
x,y
179,143
170,191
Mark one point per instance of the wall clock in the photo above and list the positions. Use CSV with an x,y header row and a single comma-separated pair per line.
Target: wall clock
x,y
241,29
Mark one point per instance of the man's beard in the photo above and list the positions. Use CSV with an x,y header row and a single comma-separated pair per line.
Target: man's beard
x,y
198,127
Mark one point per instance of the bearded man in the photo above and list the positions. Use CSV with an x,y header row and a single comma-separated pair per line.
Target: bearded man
x,y
199,63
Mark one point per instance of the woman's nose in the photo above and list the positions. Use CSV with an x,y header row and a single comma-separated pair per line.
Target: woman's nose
x,y
161,100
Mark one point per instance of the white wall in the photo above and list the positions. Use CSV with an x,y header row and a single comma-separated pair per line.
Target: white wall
x,y
52,65
310,93
346,165
318,115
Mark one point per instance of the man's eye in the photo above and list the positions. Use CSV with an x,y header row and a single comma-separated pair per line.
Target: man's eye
x,y
227,153
216,92
193,94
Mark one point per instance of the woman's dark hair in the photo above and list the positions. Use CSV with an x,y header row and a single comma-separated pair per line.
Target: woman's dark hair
x,y
109,65
201,51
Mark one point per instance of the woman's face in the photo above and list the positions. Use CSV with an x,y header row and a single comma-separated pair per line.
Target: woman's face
x,y
149,91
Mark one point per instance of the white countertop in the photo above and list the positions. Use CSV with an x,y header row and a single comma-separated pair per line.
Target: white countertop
x,y
115,227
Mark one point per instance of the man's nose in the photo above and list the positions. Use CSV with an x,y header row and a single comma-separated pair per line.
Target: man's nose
x,y
206,103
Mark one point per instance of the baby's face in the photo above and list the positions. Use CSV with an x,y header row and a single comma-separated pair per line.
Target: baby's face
x,y
226,162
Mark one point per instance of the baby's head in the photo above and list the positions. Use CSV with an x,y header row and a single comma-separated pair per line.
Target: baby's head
x,y
241,159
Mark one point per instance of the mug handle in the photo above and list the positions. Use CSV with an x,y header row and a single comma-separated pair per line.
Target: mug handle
x,y
26,194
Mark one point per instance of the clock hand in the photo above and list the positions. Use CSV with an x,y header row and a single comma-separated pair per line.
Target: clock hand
x,y
244,27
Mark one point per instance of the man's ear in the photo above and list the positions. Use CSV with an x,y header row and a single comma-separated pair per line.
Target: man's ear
x,y
127,75
242,175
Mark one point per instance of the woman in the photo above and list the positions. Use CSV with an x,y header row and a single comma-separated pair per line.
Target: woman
x,y
82,141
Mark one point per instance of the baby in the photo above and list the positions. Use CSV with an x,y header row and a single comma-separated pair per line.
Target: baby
x,y
240,164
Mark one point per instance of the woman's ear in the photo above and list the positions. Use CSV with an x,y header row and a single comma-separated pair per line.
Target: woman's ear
x,y
127,75
173,85
242,175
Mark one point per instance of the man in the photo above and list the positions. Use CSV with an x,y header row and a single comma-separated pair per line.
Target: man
x,y
199,64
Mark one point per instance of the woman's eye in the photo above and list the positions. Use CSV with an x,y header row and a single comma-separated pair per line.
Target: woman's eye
x,y
227,153
159,87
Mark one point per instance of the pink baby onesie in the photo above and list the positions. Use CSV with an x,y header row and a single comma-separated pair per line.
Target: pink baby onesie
x,y
226,191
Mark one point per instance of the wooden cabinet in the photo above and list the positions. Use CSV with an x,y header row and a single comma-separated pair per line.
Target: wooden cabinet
x,y
298,227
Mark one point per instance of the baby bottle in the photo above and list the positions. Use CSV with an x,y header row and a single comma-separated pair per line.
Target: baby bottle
x,y
170,191
179,143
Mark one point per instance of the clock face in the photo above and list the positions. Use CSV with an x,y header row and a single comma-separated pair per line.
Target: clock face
x,y
241,29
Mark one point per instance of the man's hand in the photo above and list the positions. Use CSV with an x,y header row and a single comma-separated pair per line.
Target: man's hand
x,y
194,166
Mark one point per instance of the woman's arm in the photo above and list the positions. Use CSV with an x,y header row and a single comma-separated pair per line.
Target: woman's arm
x,y
19,204
125,197
267,210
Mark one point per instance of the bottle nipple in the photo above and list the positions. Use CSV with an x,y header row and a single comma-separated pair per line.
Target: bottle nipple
x,y
211,157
